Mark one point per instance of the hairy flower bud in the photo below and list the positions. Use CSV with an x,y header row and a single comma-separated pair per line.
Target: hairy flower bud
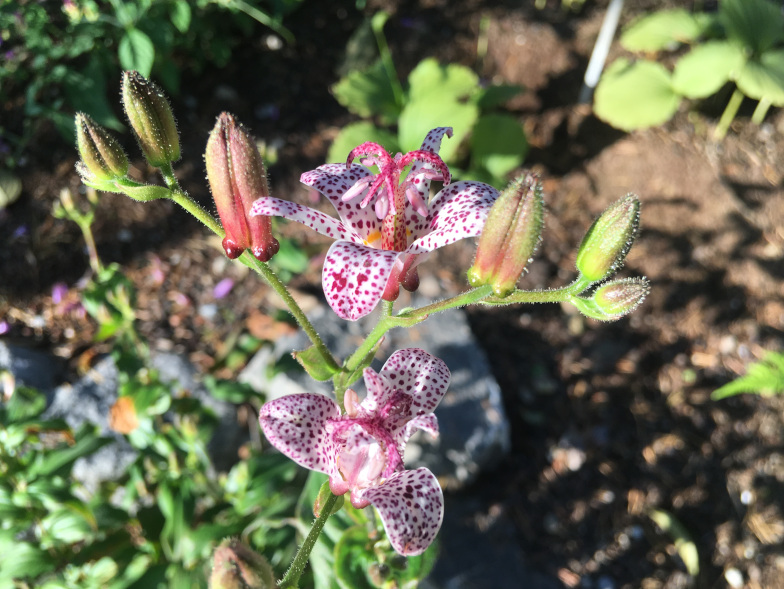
x,y
237,177
235,566
510,237
614,299
102,155
152,119
607,242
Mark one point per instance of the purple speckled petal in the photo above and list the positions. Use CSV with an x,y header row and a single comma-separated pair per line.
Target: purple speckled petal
x,y
458,211
419,181
427,422
354,278
316,220
296,425
411,505
333,181
379,391
421,375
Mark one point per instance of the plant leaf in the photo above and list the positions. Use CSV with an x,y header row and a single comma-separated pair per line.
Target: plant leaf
x,y
136,52
431,111
635,95
450,81
664,29
756,24
357,133
368,93
498,144
706,68
765,377
764,78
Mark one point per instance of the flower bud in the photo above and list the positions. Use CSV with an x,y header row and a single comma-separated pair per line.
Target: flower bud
x,y
607,242
101,154
237,177
152,119
510,237
614,299
235,566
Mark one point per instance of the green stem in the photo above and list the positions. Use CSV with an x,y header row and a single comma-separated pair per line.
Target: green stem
x,y
554,295
301,559
377,24
728,115
179,196
760,111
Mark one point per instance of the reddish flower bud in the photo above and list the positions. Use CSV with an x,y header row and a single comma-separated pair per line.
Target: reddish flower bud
x,y
607,242
510,237
614,299
236,175
101,154
235,566
152,119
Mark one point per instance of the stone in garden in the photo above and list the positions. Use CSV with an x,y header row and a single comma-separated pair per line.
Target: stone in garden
x,y
31,368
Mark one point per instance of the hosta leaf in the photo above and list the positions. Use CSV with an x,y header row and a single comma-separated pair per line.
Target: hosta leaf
x,y
433,110
635,95
706,68
663,30
764,77
451,81
356,134
757,24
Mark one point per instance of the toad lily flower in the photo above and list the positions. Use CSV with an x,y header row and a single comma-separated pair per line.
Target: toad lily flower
x,y
377,248
362,450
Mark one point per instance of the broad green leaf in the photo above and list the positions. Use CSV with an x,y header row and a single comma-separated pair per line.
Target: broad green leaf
x,y
24,404
663,29
86,91
450,81
66,527
706,68
764,78
635,95
368,93
433,110
756,24
291,256
498,144
356,134
22,560
180,14
494,96
136,52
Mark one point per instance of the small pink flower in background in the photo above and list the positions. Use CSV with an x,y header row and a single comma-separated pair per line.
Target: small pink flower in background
x,y
378,248
59,292
223,288
362,450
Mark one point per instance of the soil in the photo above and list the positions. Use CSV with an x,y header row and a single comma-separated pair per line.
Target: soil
x,y
609,421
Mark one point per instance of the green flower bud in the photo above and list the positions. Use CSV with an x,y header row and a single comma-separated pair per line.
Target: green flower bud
x,y
607,242
102,156
237,177
510,237
235,566
145,193
614,299
152,119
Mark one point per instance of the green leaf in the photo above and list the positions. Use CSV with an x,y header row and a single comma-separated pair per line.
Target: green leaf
x,y
765,377
353,556
494,96
86,91
67,526
706,68
756,24
368,93
24,404
426,113
180,15
685,546
498,144
635,95
356,134
764,78
663,29
22,560
313,363
136,52
419,567
449,82
230,390
87,442
291,257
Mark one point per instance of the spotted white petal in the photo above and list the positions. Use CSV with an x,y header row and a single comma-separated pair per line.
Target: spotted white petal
x,y
458,211
297,426
421,375
411,506
316,220
354,277
427,423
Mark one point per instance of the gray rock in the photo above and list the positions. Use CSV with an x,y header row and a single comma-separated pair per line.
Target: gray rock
x,y
474,431
31,368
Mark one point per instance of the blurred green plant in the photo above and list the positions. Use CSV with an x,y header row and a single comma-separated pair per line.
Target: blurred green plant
x,y
57,57
742,43
765,378
489,143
